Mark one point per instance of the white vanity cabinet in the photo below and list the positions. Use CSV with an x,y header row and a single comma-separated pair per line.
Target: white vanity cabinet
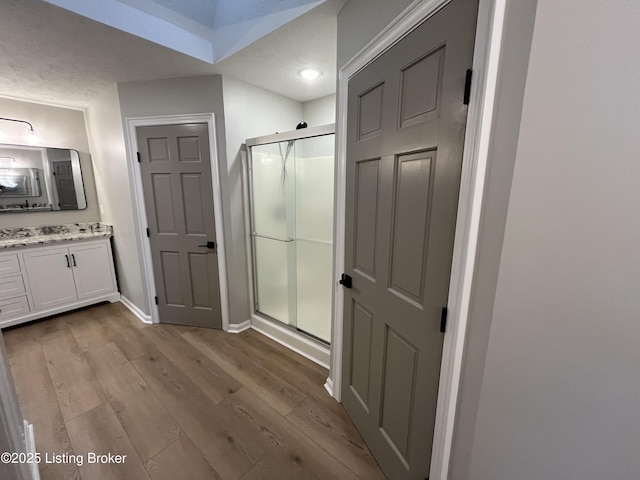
x,y
93,270
50,276
42,281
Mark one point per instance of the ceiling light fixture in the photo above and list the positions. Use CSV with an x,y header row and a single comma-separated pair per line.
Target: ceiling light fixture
x,y
31,134
310,73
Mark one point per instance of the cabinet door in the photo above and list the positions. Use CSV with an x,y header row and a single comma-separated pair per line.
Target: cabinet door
x,y
51,277
92,269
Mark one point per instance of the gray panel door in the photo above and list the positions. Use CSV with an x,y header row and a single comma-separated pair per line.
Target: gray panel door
x,y
178,195
63,173
406,123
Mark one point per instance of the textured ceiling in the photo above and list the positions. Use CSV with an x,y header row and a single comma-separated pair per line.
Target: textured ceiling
x,y
52,55
207,30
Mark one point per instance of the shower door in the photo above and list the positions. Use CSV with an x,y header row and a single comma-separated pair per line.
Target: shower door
x,y
272,177
291,201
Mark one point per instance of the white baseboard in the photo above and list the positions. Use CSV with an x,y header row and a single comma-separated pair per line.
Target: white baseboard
x,y
144,318
328,386
239,327
297,342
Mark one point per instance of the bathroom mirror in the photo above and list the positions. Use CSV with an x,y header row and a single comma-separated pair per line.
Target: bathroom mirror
x,y
20,182
40,179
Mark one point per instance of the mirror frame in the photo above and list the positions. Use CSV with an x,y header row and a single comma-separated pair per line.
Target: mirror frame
x,y
47,180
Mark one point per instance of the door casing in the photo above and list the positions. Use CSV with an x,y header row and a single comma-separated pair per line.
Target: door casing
x,y
140,216
488,43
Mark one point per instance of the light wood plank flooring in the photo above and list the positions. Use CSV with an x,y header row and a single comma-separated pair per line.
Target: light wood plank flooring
x,y
179,402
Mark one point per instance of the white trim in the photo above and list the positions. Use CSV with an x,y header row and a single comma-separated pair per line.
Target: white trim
x,y
480,115
39,102
314,351
30,444
143,317
475,159
140,214
400,27
328,386
239,327
339,230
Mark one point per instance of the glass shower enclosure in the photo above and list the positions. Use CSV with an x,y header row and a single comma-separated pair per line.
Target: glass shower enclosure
x,y
291,220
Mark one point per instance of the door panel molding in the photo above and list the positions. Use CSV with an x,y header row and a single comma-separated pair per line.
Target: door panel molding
x,y
366,217
139,208
488,44
397,402
411,210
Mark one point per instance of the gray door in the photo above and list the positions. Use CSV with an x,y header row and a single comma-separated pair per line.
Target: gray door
x,y
178,195
406,123
63,173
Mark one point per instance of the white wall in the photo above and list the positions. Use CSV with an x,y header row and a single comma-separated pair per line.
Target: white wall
x,y
321,111
514,63
561,390
107,124
104,123
56,127
360,21
558,394
249,112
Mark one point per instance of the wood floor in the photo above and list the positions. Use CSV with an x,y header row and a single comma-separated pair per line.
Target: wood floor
x,y
179,402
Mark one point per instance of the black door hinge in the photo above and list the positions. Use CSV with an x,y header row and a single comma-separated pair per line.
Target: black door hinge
x,y
138,153
345,280
467,87
156,300
443,320
148,233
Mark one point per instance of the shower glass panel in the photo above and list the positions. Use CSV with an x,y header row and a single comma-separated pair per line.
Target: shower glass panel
x,y
274,252
291,194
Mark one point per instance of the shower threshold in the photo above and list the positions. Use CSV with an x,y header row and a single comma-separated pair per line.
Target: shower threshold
x,y
301,342
294,328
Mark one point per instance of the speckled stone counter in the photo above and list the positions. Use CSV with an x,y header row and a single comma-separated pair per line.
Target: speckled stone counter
x,y
32,236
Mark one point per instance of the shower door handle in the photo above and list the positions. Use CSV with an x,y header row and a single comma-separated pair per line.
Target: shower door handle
x,y
277,239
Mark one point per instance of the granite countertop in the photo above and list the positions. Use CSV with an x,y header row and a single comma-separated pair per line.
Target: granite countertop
x,y
33,236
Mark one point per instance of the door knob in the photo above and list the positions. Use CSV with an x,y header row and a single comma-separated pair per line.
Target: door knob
x,y
211,245
345,280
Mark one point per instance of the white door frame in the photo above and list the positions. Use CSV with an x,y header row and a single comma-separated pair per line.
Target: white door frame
x,y
140,214
488,42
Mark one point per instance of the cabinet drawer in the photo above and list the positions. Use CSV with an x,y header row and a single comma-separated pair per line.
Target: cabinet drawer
x,y
13,307
11,286
9,264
